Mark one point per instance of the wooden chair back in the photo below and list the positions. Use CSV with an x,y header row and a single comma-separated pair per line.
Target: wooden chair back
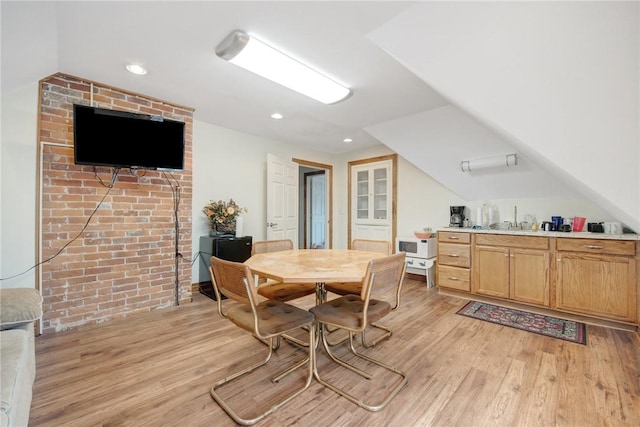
x,y
234,280
380,246
264,246
384,274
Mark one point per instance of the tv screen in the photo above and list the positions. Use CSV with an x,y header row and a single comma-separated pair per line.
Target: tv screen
x,y
104,137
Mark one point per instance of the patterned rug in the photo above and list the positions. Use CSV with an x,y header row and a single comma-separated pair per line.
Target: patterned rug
x,y
537,323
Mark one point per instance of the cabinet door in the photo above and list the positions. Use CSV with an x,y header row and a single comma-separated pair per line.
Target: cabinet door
x,y
529,276
371,191
599,285
362,194
380,193
454,278
491,271
454,255
371,232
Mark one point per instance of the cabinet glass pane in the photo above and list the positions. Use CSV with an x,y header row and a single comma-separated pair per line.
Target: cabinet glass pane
x,y
363,207
380,193
380,174
380,208
363,194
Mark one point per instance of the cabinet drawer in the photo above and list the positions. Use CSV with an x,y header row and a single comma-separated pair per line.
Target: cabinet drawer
x,y
528,242
453,237
454,255
598,246
454,277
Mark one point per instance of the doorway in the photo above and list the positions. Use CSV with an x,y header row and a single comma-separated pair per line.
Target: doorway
x,y
315,205
315,212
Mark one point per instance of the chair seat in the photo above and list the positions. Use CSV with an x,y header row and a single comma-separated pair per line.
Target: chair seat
x,y
340,288
274,317
346,311
284,292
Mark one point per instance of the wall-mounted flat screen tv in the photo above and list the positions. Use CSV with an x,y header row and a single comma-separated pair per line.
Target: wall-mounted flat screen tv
x,y
104,137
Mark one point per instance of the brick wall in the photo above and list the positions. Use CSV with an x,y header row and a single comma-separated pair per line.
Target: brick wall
x,y
124,261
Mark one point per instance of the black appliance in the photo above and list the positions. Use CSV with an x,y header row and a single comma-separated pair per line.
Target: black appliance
x,y
112,138
457,216
227,247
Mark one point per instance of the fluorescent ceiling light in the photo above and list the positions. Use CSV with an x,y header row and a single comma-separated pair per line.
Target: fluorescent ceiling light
x,y
251,54
489,162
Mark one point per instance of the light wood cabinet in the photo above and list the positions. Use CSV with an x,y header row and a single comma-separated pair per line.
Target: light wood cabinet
x,y
454,260
590,280
530,276
491,271
514,273
599,278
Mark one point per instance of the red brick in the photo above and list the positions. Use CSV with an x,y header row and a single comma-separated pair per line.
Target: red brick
x,y
127,248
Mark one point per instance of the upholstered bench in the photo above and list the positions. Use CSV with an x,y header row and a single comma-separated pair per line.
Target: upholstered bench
x,y
19,309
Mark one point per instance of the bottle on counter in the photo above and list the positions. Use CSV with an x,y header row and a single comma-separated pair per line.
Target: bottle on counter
x,y
485,216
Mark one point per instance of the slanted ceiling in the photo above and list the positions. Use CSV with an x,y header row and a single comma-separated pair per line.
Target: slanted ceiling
x,y
557,83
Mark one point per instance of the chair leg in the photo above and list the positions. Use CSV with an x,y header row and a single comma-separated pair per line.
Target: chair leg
x,y
296,340
342,362
310,359
381,338
365,344
371,407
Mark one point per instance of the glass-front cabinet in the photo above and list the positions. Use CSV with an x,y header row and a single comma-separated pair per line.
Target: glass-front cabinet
x,y
371,200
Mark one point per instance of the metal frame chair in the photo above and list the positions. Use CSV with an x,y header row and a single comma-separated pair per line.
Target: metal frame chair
x,y
355,312
380,246
266,320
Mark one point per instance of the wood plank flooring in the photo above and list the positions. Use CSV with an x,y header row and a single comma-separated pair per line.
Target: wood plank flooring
x,y
157,369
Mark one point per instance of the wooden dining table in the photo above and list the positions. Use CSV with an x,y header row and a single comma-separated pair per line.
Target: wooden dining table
x,y
317,266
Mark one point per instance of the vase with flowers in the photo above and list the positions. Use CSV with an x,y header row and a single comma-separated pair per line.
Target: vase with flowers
x,y
222,216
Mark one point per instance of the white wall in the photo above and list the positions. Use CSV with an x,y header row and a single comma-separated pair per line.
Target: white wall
x,y
437,141
27,55
230,164
558,77
424,202
18,186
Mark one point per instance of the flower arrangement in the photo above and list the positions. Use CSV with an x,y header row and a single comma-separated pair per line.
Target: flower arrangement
x,y
222,214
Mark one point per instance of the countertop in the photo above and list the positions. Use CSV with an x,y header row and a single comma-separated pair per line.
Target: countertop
x,y
571,235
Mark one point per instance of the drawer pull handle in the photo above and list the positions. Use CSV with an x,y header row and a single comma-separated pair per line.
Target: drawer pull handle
x,y
453,278
593,247
454,255
453,238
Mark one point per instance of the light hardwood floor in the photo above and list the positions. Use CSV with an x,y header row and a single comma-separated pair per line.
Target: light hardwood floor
x,y
157,369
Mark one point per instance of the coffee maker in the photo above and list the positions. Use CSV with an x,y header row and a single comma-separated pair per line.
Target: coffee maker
x,y
457,216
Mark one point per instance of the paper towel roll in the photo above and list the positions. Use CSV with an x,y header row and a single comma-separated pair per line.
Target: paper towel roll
x,y
239,226
479,216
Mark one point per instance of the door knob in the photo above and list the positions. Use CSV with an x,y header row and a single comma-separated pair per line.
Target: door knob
x,y
271,224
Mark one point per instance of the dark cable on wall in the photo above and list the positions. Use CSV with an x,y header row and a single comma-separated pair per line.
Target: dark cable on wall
x,y
109,186
175,191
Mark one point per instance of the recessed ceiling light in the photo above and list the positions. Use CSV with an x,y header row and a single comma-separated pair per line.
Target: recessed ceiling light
x,y
136,69
347,140
277,116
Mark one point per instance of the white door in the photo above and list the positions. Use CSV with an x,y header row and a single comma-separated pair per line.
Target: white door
x,y
282,199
